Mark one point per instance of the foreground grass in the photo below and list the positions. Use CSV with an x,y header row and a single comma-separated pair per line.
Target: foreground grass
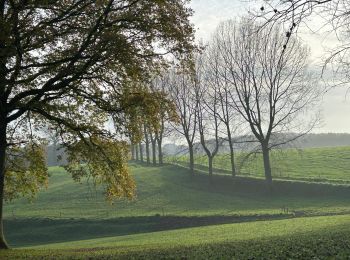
x,y
216,233
69,211
327,164
312,237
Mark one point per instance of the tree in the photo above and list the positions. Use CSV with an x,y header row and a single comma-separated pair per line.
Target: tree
x,y
137,151
52,148
223,95
182,92
159,138
141,151
270,80
159,84
154,147
207,109
72,65
158,110
147,142
166,114
295,12
132,148
332,15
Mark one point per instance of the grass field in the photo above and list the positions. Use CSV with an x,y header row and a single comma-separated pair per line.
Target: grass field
x,y
177,216
314,164
318,237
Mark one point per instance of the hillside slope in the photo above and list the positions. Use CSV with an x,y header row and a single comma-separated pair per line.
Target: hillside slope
x,y
331,165
167,198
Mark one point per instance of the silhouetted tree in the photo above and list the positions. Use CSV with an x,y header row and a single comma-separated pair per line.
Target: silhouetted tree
x,y
182,91
271,86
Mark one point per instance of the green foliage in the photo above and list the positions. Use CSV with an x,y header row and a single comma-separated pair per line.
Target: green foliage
x,y
104,160
145,106
72,65
25,171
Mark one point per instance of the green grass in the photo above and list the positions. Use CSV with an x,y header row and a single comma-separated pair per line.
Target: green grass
x,y
301,237
315,164
174,215
215,233
71,211
166,191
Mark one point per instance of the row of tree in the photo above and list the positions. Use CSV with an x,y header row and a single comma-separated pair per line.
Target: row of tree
x,y
247,80
151,151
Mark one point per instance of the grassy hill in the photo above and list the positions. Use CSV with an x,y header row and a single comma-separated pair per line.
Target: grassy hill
x,y
176,215
167,190
327,164
301,238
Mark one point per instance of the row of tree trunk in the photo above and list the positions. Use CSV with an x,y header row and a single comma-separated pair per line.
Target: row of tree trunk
x,y
150,151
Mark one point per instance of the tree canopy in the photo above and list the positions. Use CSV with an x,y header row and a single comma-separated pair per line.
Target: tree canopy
x,y
70,65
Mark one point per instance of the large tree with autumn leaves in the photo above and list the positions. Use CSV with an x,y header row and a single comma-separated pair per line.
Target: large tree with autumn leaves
x,y
73,65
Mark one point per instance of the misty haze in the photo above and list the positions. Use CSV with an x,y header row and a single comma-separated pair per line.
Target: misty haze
x,y
182,129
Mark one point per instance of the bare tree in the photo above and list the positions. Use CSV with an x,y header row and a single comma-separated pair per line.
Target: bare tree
x,y
332,16
272,87
224,92
182,91
293,13
207,97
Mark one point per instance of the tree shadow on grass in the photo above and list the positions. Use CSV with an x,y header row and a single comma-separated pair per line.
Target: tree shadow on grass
x,y
41,231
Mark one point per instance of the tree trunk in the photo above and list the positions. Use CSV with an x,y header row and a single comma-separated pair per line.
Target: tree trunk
x,y
141,152
267,165
232,156
136,152
147,145
160,151
190,149
148,153
3,144
232,153
210,165
153,143
132,152
154,156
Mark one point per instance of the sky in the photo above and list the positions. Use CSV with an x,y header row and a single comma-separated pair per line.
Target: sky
x,y
335,106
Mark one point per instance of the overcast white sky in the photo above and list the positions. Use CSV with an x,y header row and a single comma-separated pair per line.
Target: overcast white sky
x,y
336,104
